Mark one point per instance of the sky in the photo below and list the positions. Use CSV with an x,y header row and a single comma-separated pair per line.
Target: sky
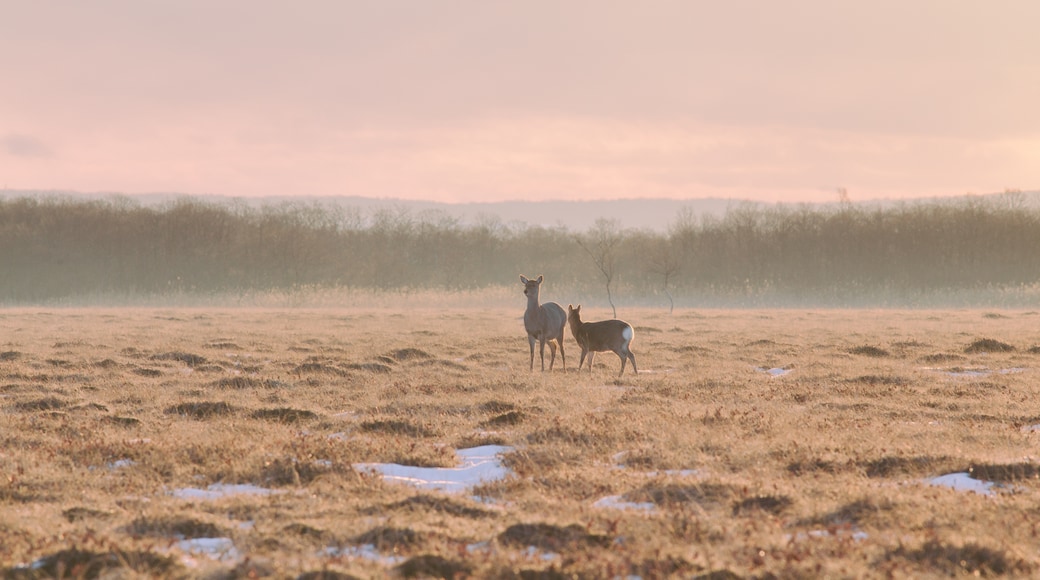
x,y
477,100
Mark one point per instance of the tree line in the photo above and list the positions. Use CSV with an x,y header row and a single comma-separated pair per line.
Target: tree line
x,y
55,250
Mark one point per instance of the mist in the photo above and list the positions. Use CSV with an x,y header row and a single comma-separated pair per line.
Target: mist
x,y
976,251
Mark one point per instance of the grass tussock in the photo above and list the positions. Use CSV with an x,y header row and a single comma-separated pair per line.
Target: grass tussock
x,y
257,431
988,345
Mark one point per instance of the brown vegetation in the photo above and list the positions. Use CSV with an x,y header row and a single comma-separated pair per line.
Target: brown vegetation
x,y
707,464
66,251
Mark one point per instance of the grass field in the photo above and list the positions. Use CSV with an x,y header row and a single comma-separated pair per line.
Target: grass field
x,y
752,444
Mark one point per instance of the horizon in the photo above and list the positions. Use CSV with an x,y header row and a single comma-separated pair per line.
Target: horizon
x,y
464,102
656,214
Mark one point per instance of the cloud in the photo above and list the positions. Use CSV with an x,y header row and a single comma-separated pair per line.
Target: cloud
x,y
24,146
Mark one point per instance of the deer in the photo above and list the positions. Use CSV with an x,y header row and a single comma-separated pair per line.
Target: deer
x,y
613,335
544,323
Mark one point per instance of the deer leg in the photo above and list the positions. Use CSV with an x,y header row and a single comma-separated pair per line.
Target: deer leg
x,y
563,359
541,352
592,355
552,351
530,339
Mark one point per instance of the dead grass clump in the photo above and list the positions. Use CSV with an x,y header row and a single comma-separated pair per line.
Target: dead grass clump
x,y
173,527
319,368
879,380
223,344
433,503
305,531
44,404
1005,472
201,409
515,573
107,364
23,492
868,350
912,343
479,439
432,566
988,345
10,355
121,421
371,367
706,495
89,407
970,559
559,434
505,419
443,363
192,360
241,382
644,460
86,564
390,539
940,358
406,354
326,575
551,538
495,406
669,567
771,504
80,513
289,471
147,372
911,466
860,512
397,427
692,349
285,415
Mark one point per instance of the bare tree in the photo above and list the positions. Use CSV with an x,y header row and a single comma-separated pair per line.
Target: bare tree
x,y
663,261
600,242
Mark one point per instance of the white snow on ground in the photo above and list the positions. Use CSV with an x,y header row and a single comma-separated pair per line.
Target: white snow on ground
x,y
477,465
618,502
963,482
222,490
975,373
773,372
220,549
364,552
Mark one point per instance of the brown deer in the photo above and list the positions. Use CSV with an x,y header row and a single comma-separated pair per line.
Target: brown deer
x,y
544,322
593,337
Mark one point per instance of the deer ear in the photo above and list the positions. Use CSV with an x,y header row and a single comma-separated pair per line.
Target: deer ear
x,y
539,278
522,279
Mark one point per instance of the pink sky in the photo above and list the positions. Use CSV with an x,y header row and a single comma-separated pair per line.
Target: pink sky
x,y
537,99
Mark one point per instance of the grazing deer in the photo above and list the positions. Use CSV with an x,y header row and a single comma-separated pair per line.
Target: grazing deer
x,y
543,322
593,337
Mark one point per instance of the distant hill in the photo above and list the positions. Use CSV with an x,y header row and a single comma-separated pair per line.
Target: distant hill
x,y
652,214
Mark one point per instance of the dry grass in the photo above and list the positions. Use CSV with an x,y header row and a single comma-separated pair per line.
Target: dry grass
x,y
716,468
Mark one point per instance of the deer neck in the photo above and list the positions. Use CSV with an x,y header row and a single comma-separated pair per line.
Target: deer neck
x,y
532,302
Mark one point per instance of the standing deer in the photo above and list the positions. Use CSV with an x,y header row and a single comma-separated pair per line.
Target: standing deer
x,y
593,337
543,322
